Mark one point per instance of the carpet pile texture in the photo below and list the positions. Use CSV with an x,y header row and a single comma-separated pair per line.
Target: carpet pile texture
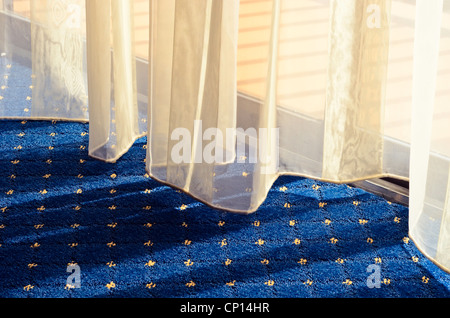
x,y
133,237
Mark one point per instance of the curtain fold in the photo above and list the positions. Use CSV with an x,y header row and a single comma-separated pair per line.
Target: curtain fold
x,y
58,64
428,220
112,78
193,103
233,94
357,71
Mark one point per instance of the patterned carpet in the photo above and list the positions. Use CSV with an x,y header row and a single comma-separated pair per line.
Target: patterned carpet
x,y
63,213
133,237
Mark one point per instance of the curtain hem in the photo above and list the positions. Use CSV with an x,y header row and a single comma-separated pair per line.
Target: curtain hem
x,y
119,154
211,205
432,259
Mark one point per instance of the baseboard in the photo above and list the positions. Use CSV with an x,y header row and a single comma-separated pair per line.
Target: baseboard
x,y
392,190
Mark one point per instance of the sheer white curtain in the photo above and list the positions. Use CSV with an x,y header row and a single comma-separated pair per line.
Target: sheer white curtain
x,y
233,94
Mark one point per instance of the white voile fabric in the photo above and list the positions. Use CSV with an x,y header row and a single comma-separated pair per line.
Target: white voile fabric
x,y
429,220
59,84
232,94
114,120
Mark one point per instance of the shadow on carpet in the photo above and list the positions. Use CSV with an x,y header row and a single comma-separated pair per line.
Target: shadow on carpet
x,y
126,235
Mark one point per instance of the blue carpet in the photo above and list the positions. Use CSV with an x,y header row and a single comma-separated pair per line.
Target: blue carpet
x,y
133,237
